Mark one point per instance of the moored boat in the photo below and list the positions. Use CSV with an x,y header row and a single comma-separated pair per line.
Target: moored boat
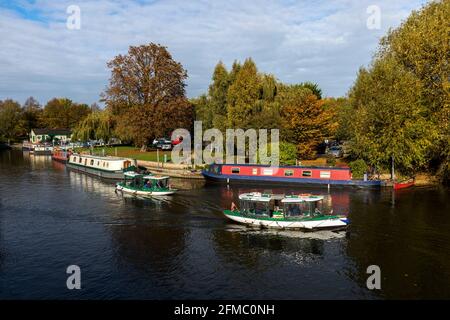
x,y
404,184
285,175
27,146
284,212
42,149
61,155
145,185
104,167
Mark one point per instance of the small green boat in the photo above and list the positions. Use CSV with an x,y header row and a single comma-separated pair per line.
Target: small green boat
x,y
284,212
145,185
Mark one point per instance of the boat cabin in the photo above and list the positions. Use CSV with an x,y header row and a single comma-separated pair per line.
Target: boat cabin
x,y
273,205
140,181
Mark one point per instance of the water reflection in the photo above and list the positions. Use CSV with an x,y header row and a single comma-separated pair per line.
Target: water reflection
x,y
184,247
410,243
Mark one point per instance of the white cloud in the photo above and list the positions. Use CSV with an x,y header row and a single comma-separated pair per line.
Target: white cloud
x,y
321,41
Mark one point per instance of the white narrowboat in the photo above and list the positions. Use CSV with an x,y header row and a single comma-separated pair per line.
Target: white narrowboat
x,y
104,167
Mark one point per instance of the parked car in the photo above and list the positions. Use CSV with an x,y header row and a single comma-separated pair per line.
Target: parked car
x,y
162,143
335,151
177,141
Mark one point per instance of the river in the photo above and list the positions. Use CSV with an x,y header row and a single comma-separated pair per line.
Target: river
x,y
182,247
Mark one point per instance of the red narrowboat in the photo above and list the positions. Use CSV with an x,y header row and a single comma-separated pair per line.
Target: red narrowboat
x,y
61,155
256,173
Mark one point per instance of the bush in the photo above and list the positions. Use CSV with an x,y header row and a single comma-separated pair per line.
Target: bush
x,y
331,160
358,167
288,153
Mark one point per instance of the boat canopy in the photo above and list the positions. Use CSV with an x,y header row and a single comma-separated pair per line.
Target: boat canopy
x,y
255,196
150,177
301,198
132,174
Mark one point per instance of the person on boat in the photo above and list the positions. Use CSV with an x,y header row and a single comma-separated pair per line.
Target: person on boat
x,y
233,206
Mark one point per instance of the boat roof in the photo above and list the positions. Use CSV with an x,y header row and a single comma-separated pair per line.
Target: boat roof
x,y
106,158
301,198
266,197
132,174
151,177
256,196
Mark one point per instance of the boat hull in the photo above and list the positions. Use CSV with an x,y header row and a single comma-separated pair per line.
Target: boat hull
x,y
239,179
113,175
403,185
291,225
59,159
143,193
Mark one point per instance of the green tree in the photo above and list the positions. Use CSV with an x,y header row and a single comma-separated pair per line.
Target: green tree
x,y
217,93
390,118
32,114
314,87
63,113
146,94
10,120
203,111
242,95
97,125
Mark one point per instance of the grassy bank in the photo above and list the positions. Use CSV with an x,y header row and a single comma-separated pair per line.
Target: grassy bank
x,y
127,152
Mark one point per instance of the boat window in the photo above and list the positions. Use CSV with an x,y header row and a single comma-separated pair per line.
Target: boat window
x,y
297,209
288,173
307,173
235,170
80,160
325,174
92,162
74,159
98,163
107,164
255,207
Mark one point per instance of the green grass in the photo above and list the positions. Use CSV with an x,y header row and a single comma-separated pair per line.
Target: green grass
x,y
128,152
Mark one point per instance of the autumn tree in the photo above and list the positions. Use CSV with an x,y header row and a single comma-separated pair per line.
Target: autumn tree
x,y
146,94
305,122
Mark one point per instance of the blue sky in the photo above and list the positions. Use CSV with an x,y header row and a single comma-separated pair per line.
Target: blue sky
x,y
320,41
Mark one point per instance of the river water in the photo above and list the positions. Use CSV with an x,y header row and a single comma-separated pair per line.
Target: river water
x,y
182,247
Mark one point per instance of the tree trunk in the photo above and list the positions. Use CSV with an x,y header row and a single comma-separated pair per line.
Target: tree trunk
x,y
144,148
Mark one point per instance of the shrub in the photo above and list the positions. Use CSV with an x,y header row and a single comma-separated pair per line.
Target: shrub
x,y
331,160
358,167
288,153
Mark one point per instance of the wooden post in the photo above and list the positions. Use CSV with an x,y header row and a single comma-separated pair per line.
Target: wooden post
x,y
392,168
157,157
